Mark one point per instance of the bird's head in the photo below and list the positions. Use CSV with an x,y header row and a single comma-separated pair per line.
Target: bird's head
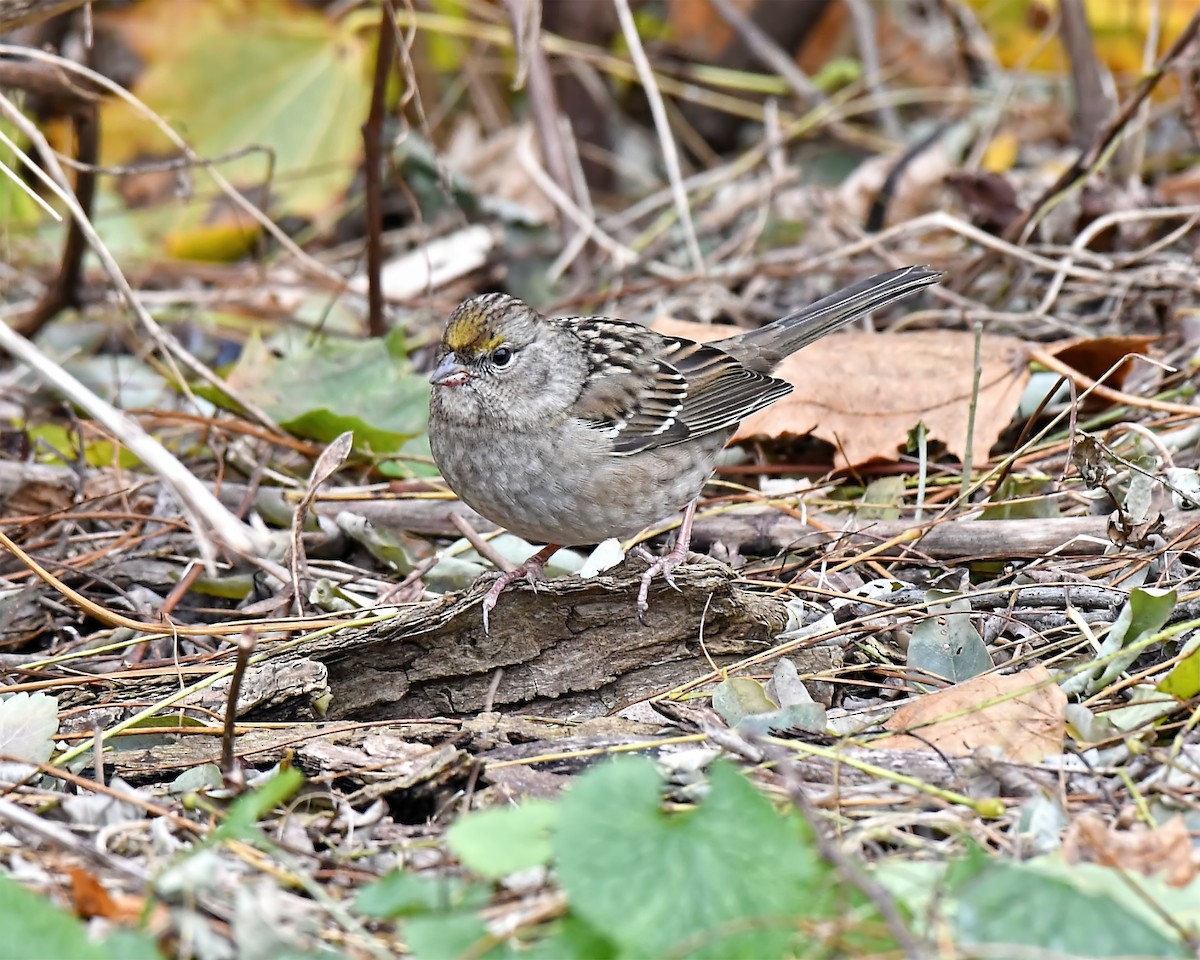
x,y
499,359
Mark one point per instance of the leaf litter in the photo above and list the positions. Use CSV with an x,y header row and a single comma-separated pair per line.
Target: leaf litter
x,y
978,683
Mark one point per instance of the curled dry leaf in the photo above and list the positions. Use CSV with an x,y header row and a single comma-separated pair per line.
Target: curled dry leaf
x,y
1021,713
915,185
1107,357
864,392
1165,848
91,899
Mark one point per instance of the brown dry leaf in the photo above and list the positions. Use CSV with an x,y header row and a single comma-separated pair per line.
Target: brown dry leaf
x,y
488,161
864,392
698,30
92,900
918,189
1165,849
1021,713
1181,188
1095,356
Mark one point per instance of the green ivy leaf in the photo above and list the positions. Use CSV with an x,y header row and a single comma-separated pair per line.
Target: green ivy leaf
x,y
729,879
1011,905
494,843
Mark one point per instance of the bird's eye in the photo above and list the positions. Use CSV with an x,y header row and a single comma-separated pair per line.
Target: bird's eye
x,y
502,356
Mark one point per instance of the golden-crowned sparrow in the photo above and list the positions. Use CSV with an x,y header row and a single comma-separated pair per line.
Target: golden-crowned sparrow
x,y
572,430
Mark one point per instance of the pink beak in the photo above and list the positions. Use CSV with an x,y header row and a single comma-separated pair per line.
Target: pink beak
x,y
449,372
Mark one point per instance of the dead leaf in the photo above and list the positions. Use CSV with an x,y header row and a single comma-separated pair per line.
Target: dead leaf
x,y
92,900
1021,713
1181,189
1096,356
864,392
915,185
1165,848
990,198
487,161
698,31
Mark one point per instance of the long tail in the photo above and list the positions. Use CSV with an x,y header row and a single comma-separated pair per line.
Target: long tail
x,y
762,349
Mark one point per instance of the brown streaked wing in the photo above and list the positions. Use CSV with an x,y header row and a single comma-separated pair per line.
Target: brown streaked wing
x,y
651,391
722,392
631,397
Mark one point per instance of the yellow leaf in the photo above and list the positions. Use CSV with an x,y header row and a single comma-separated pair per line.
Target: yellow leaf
x,y
1001,154
282,86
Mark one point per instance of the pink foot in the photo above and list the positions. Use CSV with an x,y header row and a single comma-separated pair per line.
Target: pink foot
x,y
666,564
533,570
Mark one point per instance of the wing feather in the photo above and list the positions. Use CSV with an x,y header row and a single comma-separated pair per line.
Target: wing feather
x,y
648,390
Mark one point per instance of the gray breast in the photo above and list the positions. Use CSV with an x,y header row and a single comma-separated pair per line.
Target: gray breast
x,y
567,489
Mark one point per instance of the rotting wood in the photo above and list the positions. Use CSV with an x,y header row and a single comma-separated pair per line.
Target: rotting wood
x,y
572,649
490,734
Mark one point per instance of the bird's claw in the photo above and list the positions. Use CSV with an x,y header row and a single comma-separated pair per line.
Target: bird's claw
x,y
666,567
532,571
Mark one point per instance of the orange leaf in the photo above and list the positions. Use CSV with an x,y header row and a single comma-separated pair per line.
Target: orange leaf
x,y
1095,356
92,900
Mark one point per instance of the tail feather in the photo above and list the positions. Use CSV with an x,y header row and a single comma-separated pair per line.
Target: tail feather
x,y
762,349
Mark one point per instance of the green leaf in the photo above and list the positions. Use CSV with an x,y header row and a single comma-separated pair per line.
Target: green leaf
x,y
28,723
324,389
572,939
241,823
17,207
1030,505
290,82
205,776
130,945
729,879
736,698
1144,614
946,643
881,500
452,937
1143,708
1183,680
1014,906
494,843
750,707
97,453
403,894
799,716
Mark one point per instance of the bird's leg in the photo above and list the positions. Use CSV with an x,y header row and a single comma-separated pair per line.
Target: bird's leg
x,y
667,563
533,570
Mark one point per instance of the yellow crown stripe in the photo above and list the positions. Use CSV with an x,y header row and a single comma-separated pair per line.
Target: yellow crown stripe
x,y
472,333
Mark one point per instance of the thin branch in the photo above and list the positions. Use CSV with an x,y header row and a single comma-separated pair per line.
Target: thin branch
x,y
1020,228
373,160
543,101
866,36
768,51
663,128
